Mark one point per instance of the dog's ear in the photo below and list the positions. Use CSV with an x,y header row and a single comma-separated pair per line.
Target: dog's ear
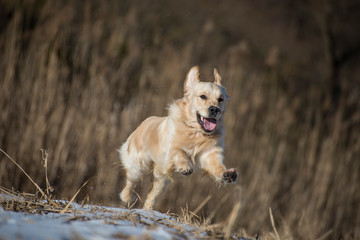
x,y
191,78
217,77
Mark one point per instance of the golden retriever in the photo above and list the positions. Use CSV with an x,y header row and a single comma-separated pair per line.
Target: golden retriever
x,y
192,135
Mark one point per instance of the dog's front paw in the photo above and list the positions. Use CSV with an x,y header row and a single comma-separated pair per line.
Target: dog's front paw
x,y
230,175
186,172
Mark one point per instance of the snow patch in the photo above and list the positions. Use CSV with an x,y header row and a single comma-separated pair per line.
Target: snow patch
x,y
93,222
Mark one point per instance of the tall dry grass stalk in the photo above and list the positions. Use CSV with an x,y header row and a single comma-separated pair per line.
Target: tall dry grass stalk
x,y
77,78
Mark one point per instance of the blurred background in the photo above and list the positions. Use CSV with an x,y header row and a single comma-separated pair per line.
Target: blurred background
x,y
77,77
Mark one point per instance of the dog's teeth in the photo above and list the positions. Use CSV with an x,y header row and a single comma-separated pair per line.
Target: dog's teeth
x,y
202,118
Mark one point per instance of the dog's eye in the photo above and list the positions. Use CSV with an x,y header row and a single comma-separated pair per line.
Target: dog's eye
x,y
221,99
203,97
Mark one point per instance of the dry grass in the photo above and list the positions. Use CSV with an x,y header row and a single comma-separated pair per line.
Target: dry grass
x,y
29,203
77,78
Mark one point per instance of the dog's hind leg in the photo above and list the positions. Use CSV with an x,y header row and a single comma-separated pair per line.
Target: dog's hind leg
x,y
160,182
126,193
134,172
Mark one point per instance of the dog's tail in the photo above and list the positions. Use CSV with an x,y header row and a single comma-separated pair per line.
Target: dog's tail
x,y
124,152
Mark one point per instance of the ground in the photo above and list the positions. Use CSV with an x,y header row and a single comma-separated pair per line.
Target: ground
x,y
23,218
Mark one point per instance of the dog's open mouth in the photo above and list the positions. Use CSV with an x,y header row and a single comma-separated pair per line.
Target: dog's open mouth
x,y
207,124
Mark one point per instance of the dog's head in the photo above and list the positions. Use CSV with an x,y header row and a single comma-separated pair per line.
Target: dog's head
x,y
205,100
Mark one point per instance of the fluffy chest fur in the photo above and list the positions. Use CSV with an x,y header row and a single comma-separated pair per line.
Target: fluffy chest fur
x,y
188,136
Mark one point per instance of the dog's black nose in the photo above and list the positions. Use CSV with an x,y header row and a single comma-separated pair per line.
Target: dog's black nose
x,y
214,111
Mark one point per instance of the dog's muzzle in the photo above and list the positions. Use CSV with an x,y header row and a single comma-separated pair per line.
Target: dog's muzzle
x,y
209,124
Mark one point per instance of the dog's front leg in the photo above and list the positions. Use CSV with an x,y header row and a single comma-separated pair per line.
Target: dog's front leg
x,y
181,162
212,162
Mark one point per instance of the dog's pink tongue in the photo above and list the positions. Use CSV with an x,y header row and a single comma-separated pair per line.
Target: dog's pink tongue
x,y
209,124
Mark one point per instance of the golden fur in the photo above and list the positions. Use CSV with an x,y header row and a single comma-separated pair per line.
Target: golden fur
x,y
190,136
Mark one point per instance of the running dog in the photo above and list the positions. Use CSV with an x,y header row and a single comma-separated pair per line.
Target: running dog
x,y
192,135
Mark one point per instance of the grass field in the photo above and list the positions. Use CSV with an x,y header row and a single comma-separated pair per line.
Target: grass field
x,y
76,77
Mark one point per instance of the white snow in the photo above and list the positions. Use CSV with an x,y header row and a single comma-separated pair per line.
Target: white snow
x,y
93,222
